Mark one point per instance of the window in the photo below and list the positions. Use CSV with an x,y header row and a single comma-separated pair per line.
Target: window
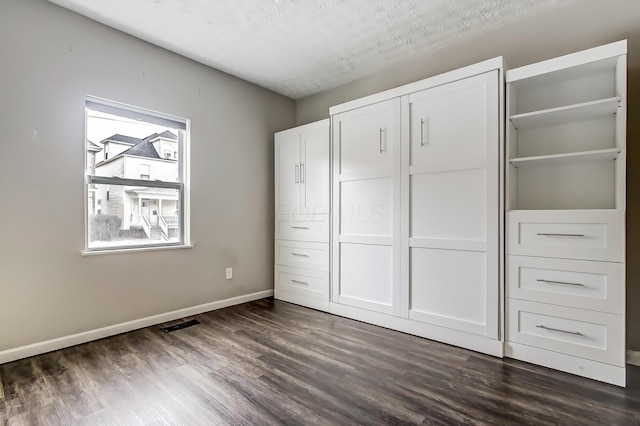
x,y
145,173
135,209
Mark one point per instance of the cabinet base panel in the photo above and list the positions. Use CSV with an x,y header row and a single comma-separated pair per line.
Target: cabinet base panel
x,y
569,364
428,331
320,305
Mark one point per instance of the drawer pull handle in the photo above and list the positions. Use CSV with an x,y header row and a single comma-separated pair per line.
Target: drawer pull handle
x,y
575,333
381,131
300,282
561,283
300,227
299,255
560,235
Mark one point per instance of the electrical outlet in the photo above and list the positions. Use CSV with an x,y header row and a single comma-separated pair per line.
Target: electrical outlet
x,y
229,273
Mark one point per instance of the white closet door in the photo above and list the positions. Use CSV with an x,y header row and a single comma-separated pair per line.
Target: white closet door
x,y
367,207
453,191
314,172
287,172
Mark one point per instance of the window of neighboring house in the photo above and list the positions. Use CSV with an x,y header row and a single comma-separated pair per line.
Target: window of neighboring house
x,y
134,211
145,171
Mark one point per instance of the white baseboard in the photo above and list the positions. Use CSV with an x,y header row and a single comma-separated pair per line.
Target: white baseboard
x,y
87,336
633,357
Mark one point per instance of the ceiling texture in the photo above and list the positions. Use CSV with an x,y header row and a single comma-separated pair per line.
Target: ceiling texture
x,y
302,47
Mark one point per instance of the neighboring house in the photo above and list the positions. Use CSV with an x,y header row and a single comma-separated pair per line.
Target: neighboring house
x,y
154,210
92,150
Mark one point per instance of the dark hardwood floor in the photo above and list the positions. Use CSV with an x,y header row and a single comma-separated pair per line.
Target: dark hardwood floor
x,y
271,362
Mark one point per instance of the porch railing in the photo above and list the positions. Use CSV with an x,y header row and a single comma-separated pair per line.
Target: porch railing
x,y
164,227
146,225
170,220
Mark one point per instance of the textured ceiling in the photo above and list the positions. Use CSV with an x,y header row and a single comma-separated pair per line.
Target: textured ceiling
x,y
301,47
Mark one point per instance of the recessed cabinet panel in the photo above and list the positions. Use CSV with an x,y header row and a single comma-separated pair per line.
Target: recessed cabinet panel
x,y
586,334
368,137
300,254
581,284
366,276
302,282
448,288
449,205
569,234
449,124
366,207
287,173
303,227
314,171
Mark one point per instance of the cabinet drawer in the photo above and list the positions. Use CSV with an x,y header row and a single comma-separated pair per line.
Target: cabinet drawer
x,y
585,334
303,227
301,282
581,284
300,254
570,234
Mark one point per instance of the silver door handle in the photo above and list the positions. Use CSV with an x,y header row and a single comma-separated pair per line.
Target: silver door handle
x,y
299,227
302,173
560,235
299,255
575,333
561,283
300,282
422,132
297,173
381,131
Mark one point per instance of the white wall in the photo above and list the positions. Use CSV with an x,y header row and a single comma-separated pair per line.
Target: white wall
x,y
569,28
50,59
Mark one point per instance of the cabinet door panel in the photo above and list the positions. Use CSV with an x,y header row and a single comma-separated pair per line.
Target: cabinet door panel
x,y
287,173
314,173
449,124
448,288
368,137
366,207
453,188
449,205
366,279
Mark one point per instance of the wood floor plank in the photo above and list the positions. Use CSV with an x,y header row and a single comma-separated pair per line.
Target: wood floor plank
x,y
272,363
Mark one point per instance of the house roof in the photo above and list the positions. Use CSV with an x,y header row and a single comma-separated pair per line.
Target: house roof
x,y
93,147
165,135
142,149
121,139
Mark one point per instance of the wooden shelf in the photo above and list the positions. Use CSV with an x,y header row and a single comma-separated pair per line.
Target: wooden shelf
x,y
572,157
566,114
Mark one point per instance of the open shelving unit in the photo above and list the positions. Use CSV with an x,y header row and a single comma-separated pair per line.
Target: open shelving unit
x,y
566,132
565,180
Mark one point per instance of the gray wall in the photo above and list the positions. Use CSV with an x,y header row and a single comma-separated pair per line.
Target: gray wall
x,y
50,59
569,28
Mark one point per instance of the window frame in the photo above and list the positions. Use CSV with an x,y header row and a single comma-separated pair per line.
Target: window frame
x,y
179,124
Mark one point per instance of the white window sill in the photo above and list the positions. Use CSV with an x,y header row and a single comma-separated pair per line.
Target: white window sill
x,y
135,250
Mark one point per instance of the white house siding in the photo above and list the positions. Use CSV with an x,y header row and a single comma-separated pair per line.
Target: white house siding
x,y
165,170
164,146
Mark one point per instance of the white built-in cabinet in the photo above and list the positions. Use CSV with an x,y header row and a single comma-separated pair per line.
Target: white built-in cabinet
x,y
450,222
565,305
302,185
417,208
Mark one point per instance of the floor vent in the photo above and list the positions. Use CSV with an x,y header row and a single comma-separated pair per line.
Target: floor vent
x,y
180,326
